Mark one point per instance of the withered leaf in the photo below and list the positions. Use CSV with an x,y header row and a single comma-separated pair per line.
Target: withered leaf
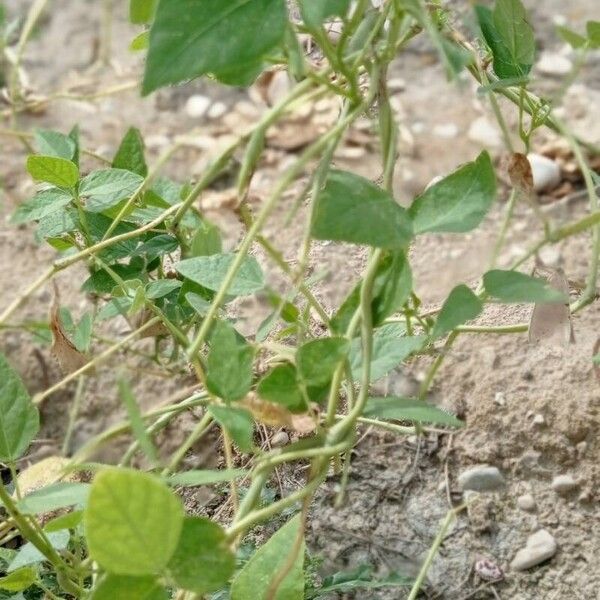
x,y
276,415
519,171
64,351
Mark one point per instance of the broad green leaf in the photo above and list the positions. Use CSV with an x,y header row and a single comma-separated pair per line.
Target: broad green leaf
x,y
391,289
315,12
391,346
70,520
44,203
202,562
280,385
19,580
55,496
57,223
237,422
98,225
106,188
317,360
204,477
572,38
362,578
130,155
215,37
140,41
593,33
229,363
515,287
352,209
138,426
210,272
142,11
82,336
132,522
460,306
253,581
510,37
19,418
459,202
162,287
30,555
115,587
408,409
51,169
206,240
157,246
54,143
198,303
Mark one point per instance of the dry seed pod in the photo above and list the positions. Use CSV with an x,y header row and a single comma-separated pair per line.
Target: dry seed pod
x,y
551,321
275,415
64,351
520,173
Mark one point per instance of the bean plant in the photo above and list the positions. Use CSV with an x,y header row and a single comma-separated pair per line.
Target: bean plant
x,y
116,531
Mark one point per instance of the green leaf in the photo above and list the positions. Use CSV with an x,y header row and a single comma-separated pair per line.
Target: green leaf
x,y
459,202
593,33
460,306
138,426
55,496
57,223
206,240
30,555
54,143
572,38
280,385
51,169
114,587
237,422
408,409
142,11
317,360
205,477
210,272
157,246
82,336
515,287
130,155
315,12
140,42
70,520
107,187
19,418
215,37
202,562
44,203
132,522
352,209
162,287
229,363
19,580
254,579
509,36
390,347
391,289
198,303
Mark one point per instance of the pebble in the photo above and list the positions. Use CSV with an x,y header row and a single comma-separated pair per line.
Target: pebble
x,y
552,63
482,478
539,420
197,105
540,546
447,131
546,173
526,502
500,398
551,256
563,484
396,84
217,110
488,570
281,438
485,133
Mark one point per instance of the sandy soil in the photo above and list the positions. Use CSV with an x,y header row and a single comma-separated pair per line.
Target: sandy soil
x,y
532,411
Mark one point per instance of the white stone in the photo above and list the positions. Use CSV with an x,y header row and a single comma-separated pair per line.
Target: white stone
x,y
538,420
563,484
550,256
500,399
554,64
485,133
540,546
281,438
526,502
482,478
197,105
396,84
218,109
447,130
546,173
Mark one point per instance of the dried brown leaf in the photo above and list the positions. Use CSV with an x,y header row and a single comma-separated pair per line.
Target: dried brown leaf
x,y
275,415
519,171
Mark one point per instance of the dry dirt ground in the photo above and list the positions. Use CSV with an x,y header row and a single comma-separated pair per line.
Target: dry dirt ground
x,y
531,411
